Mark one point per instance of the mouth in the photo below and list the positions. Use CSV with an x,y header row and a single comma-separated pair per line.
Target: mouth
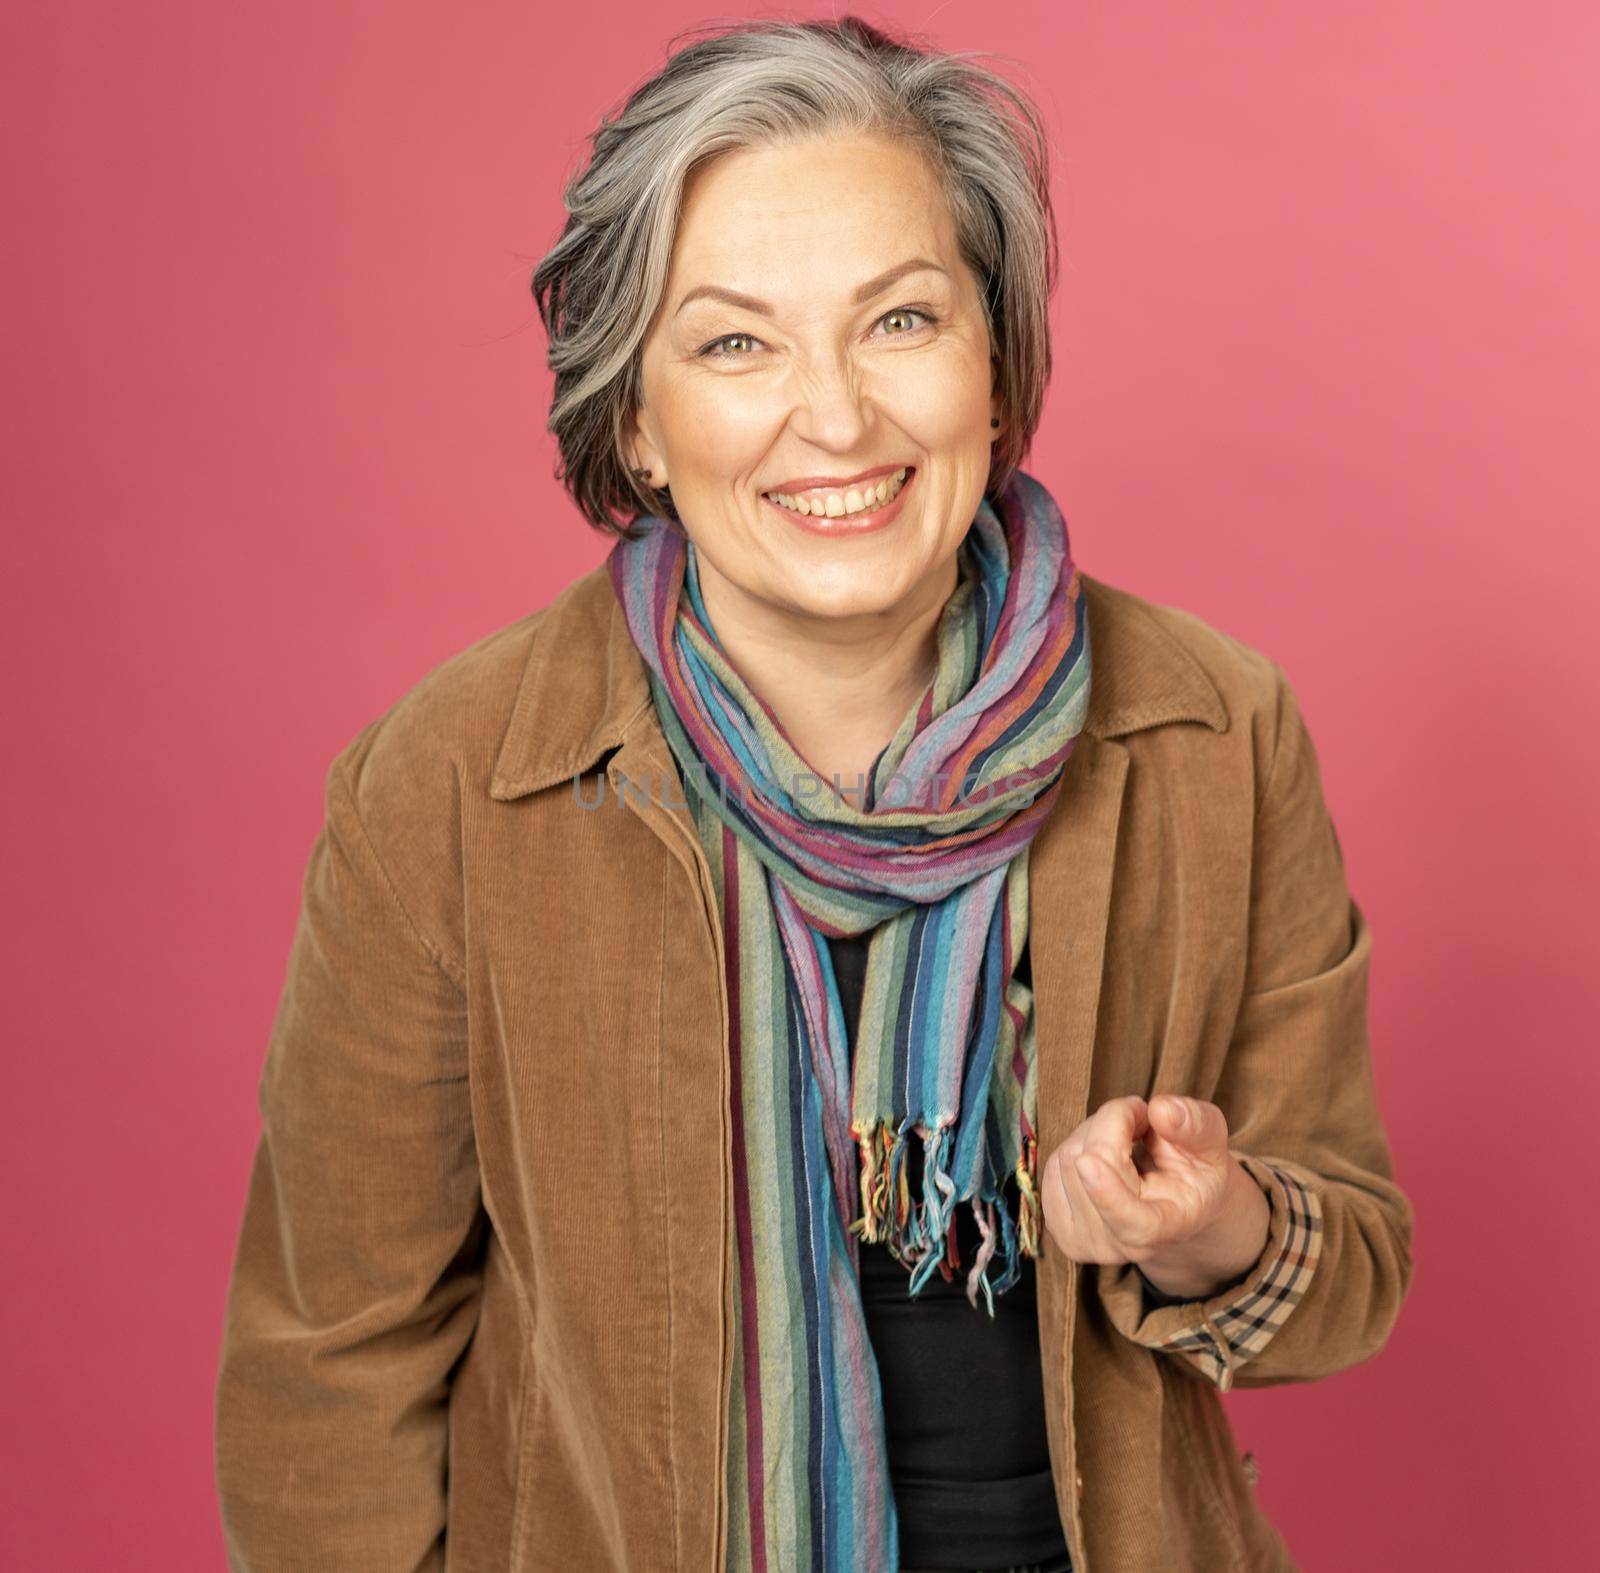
x,y
846,510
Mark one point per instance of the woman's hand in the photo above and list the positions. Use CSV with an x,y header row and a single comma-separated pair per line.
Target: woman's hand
x,y
1154,1184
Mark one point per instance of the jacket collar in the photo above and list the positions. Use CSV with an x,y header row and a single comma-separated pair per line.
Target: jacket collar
x,y
584,690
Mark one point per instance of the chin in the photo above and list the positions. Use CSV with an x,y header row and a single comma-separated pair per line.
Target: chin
x,y
862,593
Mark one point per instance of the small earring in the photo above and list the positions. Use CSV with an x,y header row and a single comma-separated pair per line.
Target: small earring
x,y
642,475
994,420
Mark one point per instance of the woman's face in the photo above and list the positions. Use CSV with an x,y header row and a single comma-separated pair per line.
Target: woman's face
x,y
819,326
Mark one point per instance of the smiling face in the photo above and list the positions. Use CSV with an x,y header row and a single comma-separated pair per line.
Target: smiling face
x,y
820,334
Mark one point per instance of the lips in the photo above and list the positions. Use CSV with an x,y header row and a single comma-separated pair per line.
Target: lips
x,y
845,500
833,521
833,483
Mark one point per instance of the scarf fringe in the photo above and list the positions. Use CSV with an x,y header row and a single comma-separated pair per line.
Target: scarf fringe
x,y
1029,1210
923,1237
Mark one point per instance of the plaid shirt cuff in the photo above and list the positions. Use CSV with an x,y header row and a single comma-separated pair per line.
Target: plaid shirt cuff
x,y
1218,1335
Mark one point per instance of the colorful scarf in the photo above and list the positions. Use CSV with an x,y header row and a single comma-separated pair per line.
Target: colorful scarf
x,y
933,864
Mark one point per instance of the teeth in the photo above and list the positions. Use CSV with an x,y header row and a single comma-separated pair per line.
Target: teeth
x,y
836,505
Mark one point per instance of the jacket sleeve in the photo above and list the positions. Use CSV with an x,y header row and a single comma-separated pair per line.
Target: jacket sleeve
x,y
1298,1094
356,1277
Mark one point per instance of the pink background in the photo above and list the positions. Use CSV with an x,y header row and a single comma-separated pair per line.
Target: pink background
x,y
1327,376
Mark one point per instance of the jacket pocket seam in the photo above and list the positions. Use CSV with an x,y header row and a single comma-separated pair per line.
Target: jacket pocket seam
x,y
516,1560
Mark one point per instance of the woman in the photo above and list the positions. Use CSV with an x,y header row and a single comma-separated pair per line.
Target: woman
x,y
830,1044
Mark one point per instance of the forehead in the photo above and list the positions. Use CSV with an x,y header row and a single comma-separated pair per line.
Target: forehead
x,y
823,212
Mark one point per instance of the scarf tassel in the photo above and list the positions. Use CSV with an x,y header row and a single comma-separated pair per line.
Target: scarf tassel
x,y
1028,1208
924,1237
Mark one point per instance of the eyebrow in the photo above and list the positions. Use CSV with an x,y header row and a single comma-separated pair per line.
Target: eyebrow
x,y
864,292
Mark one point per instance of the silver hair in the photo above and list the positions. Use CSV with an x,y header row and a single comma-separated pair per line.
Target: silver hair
x,y
753,83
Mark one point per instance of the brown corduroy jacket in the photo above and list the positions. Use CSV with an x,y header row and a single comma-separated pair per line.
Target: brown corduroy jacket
x,y
480,1311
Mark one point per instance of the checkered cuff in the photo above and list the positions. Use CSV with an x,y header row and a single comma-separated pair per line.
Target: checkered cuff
x,y
1218,1335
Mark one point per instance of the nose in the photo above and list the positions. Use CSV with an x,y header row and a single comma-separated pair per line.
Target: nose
x,y
832,411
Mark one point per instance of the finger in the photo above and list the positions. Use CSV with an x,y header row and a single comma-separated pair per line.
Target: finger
x,y
1134,1221
1117,1156
1190,1123
1123,1118
1112,1130
1054,1190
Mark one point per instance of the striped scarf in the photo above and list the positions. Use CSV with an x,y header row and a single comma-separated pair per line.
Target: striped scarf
x,y
933,865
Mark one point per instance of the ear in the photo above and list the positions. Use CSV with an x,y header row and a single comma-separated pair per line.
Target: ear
x,y
641,452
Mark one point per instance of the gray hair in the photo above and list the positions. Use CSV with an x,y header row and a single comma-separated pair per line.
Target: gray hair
x,y
757,83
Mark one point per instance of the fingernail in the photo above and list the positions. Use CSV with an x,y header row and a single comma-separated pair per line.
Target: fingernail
x,y
1180,1112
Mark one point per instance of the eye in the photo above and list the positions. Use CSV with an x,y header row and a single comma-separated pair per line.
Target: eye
x,y
908,311
714,349
706,350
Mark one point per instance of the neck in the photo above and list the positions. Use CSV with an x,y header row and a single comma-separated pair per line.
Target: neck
x,y
840,687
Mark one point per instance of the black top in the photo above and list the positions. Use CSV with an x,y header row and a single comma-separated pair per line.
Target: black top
x,y
963,1395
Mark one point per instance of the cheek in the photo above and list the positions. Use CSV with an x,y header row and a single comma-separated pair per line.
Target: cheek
x,y
716,427
941,401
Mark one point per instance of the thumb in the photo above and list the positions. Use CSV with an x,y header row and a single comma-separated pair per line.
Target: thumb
x,y
1190,1123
